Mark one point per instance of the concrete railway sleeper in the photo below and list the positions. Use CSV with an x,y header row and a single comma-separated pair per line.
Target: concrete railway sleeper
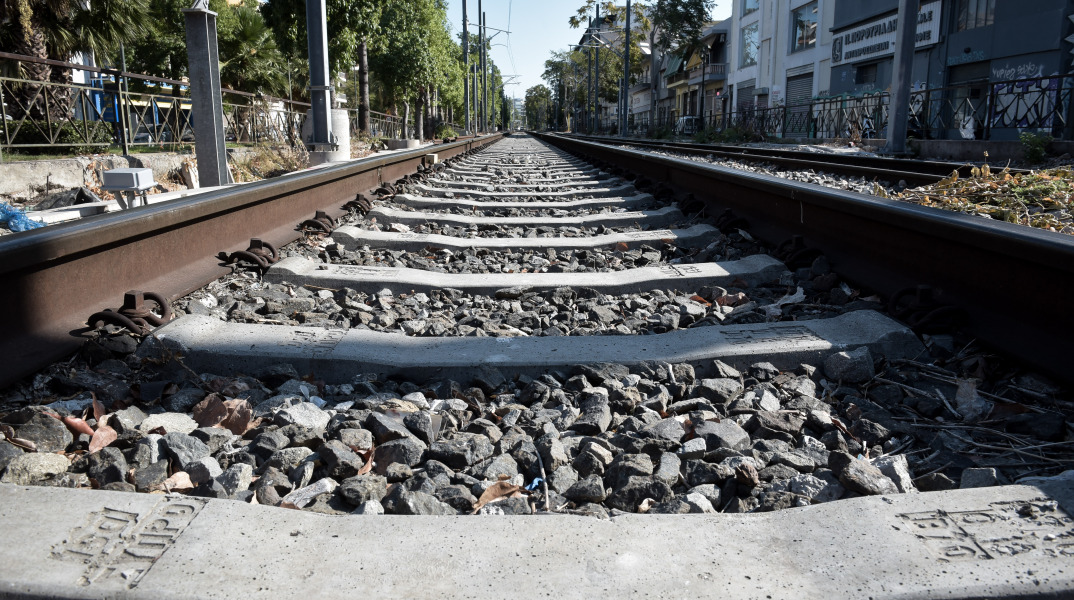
x,y
523,332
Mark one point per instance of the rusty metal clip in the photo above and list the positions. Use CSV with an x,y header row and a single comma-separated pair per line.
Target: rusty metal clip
x,y
794,253
360,204
729,222
262,254
320,221
135,315
918,308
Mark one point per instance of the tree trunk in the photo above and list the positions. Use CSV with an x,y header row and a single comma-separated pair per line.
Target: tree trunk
x,y
406,119
29,98
363,89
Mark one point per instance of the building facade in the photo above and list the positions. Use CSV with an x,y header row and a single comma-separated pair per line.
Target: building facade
x,y
981,67
780,51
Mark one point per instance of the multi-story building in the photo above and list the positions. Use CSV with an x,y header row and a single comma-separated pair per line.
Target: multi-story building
x,y
964,51
781,51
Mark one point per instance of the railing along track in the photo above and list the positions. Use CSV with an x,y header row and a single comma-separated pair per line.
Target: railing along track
x,y
879,168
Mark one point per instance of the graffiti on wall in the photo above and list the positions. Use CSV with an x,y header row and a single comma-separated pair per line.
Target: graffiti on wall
x,y
1023,71
1027,103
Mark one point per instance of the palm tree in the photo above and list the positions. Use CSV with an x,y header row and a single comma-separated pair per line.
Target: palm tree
x,y
56,29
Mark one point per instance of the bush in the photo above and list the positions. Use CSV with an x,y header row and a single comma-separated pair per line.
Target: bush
x,y
445,131
72,136
1035,146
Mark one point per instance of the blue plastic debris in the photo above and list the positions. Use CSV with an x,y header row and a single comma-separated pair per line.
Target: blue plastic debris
x,y
533,484
16,219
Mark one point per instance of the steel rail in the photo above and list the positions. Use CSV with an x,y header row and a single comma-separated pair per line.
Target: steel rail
x,y
1014,283
913,172
56,277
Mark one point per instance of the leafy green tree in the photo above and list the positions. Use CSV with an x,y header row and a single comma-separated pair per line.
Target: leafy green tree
x,y
354,31
538,106
667,23
251,60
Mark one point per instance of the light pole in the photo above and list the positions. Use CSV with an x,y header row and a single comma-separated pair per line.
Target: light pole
x,y
626,73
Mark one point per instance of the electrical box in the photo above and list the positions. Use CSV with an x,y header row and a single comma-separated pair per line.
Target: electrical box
x,y
128,180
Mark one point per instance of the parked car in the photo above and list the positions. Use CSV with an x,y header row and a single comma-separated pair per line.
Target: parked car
x,y
687,125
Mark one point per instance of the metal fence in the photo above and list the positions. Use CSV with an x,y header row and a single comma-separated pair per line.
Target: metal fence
x,y
112,108
997,110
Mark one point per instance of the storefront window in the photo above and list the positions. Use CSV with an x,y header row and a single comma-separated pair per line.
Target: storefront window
x,y
804,21
750,45
749,6
975,13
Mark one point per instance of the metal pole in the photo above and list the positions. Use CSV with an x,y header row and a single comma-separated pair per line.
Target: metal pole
x,y
123,117
466,63
899,107
484,71
589,88
626,74
203,59
320,90
596,75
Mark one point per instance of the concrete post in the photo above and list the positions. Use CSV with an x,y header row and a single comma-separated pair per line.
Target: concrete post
x,y
320,90
207,103
901,77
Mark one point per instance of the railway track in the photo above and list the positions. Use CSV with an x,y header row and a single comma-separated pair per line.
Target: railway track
x,y
886,170
521,330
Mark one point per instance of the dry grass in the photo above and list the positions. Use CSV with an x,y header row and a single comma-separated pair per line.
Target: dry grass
x,y
1042,199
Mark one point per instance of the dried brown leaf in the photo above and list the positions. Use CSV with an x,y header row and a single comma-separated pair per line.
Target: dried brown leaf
x,y
23,443
104,436
178,482
211,411
98,408
77,426
239,416
497,491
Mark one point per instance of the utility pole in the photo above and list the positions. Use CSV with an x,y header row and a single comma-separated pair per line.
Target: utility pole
x,y
899,108
320,90
626,74
596,75
466,63
204,60
589,81
484,73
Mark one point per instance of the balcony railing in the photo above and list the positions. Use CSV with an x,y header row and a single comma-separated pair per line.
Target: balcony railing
x,y
677,78
709,72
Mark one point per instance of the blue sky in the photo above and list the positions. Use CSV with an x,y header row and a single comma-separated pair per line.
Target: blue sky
x,y
537,28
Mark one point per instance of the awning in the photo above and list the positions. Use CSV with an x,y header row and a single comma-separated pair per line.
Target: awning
x,y
674,62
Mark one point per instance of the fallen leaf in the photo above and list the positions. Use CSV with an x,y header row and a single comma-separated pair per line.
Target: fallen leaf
x,y
77,425
700,300
178,482
210,411
497,491
102,437
22,443
98,408
622,247
239,416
